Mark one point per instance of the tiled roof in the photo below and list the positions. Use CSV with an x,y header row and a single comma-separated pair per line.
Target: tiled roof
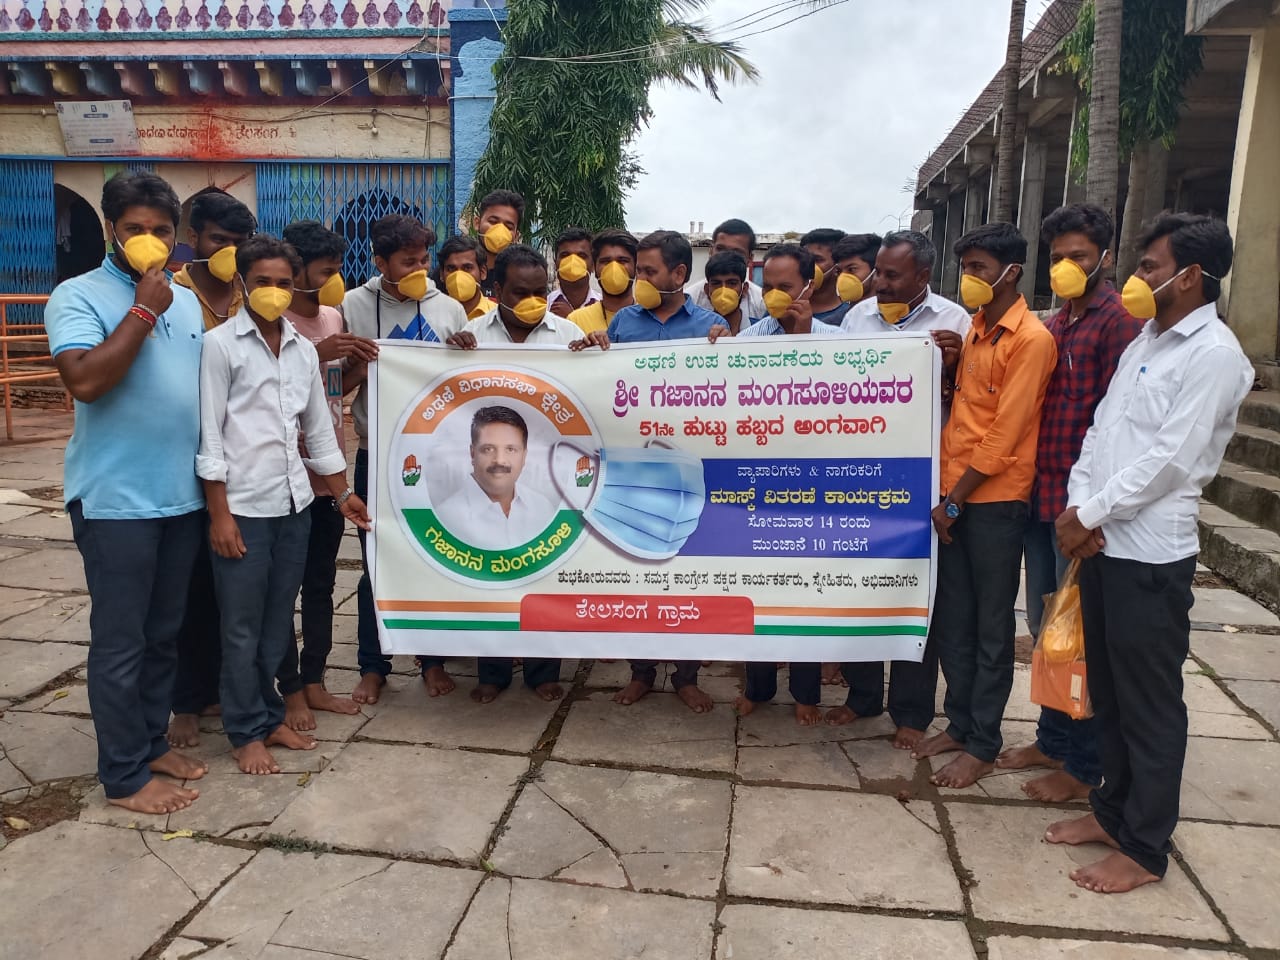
x,y
1057,21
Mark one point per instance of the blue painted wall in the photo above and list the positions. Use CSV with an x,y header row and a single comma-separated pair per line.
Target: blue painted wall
x,y
476,44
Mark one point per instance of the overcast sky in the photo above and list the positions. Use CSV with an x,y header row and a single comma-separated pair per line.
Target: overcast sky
x,y
849,104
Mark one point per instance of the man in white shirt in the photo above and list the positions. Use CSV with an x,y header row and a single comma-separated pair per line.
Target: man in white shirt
x,y
259,388
736,236
1157,438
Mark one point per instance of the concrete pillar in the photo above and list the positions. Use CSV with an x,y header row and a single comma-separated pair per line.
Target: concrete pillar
x,y
974,199
1073,190
1031,209
1253,213
953,231
476,45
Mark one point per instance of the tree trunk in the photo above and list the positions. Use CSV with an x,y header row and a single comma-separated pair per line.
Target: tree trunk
x,y
1134,202
1157,181
1104,105
1002,207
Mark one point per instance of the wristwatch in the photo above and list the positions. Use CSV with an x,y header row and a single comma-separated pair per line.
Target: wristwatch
x,y
952,509
342,498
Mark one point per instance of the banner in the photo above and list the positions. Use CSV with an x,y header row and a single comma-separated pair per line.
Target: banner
x,y
752,499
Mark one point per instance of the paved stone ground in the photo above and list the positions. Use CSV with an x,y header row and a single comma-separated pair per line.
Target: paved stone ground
x,y
522,830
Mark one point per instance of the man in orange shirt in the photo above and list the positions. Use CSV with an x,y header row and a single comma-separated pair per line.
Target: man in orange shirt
x,y
988,469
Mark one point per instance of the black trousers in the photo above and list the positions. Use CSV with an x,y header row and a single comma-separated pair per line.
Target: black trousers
x,y
686,674
1137,631
912,689
200,640
973,621
327,526
805,682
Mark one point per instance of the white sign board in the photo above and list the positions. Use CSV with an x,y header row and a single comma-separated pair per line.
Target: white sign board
x,y
98,128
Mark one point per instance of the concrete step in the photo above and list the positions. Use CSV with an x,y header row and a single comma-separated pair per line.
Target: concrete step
x,y
1256,448
1250,494
1261,408
1245,555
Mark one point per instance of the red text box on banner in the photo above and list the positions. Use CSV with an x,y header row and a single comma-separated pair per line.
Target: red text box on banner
x,y
618,613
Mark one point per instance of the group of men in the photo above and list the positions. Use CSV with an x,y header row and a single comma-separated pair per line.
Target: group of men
x,y
206,478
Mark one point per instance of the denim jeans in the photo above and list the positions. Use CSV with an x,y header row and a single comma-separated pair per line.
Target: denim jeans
x,y
256,594
138,572
912,689
973,620
805,683
200,639
369,653
1058,736
327,526
498,671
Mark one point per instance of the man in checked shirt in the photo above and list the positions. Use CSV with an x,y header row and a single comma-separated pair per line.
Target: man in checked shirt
x,y
1092,329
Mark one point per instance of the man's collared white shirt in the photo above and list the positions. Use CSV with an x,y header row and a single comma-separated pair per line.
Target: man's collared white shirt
x,y
593,295
1158,437
751,300
933,313
252,407
769,327
480,522
550,329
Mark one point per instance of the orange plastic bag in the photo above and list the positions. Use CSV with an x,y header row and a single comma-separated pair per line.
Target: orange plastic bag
x,y
1059,679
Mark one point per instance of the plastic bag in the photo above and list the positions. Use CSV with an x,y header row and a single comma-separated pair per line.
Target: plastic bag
x,y
1062,629
1060,686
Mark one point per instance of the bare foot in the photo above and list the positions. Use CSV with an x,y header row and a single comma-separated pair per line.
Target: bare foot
x,y
964,771
938,743
485,693
174,764
695,699
831,675
318,698
283,736
1056,787
632,692
184,730
744,707
438,682
1115,873
1020,758
907,738
549,691
839,716
1079,830
255,758
158,796
297,715
369,688
808,714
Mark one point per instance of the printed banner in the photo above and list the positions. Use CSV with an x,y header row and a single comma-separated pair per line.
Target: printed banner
x,y
745,500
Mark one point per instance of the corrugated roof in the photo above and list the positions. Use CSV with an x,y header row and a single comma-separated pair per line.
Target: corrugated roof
x,y
1057,21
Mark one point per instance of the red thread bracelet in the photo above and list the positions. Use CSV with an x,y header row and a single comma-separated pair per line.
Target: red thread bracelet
x,y
142,313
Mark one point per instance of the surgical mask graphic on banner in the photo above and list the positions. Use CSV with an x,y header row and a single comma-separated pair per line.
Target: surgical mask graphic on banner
x,y
647,500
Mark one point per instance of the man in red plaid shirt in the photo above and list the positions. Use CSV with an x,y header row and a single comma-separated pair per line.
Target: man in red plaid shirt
x,y
1092,330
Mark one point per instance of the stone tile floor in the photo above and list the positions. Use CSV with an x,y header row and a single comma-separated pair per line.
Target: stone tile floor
x,y
439,829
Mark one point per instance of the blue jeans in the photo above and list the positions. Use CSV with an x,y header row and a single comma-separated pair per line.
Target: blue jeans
x,y
138,572
1072,742
369,655
256,594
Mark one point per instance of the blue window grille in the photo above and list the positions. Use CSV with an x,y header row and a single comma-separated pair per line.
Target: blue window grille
x,y
349,197
28,256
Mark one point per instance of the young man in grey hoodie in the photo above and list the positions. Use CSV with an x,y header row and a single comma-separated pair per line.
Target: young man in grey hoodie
x,y
399,303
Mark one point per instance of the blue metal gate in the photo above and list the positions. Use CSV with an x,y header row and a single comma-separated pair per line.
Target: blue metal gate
x,y
28,257
348,197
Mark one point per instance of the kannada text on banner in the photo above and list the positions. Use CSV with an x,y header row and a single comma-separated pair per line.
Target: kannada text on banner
x,y
744,500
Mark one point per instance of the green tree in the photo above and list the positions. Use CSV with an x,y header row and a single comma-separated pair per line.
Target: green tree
x,y
1157,60
572,92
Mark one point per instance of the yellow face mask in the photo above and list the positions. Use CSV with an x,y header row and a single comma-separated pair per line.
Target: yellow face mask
x,y
1068,279
724,301
777,302
414,286
329,293
647,295
572,268
849,288
976,292
530,310
223,264
1140,300
497,238
461,286
819,276
269,302
894,313
145,252
614,279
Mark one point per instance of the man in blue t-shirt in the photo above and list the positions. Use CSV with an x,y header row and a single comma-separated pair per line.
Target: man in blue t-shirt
x,y
662,311
127,345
